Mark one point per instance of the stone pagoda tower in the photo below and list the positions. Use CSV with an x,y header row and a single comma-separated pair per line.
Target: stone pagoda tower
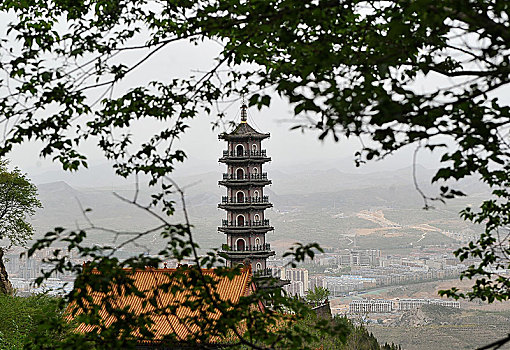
x,y
246,225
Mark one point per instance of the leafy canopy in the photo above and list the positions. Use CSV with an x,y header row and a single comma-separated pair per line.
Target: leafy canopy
x,y
18,201
317,295
348,68
21,316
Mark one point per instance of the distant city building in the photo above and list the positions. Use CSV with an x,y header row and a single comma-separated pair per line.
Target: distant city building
x,y
363,306
295,288
356,257
278,272
327,261
296,277
347,283
411,304
316,281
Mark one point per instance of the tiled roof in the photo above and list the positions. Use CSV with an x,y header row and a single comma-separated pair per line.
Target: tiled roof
x,y
244,130
148,280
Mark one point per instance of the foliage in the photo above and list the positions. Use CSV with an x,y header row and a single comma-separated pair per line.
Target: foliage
x,y
21,316
350,336
18,201
349,68
318,295
239,324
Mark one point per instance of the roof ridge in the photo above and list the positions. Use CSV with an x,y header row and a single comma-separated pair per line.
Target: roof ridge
x,y
166,269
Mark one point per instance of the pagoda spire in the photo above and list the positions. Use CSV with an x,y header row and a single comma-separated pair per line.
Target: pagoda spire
x,y
244,113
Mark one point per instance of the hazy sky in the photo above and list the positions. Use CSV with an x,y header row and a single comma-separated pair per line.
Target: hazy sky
x,y
290,150
287,148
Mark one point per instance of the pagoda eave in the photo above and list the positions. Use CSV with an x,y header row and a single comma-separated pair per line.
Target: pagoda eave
x,y
252,206
240,229
241,160
243,183
241,137
248,254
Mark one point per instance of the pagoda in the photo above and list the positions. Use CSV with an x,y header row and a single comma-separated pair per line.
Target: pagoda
x,y
245,225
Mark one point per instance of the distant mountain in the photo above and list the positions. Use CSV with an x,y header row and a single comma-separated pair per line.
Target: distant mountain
x,y
64,206
309,181
316,197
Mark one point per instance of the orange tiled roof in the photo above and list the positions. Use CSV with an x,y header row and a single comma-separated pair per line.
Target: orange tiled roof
x,y
150,279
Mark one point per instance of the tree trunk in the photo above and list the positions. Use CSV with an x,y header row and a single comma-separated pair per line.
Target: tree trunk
x,y
5,285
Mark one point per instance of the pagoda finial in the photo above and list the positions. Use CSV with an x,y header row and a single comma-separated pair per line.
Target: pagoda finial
x,y
243,111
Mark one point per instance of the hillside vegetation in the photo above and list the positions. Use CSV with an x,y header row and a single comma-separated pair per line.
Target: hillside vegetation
x,y
433,326
327,209
19,318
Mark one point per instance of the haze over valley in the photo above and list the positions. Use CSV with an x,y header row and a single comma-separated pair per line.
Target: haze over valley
x,y
380,210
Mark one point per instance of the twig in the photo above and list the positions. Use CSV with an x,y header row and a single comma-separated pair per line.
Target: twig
x,y
497,344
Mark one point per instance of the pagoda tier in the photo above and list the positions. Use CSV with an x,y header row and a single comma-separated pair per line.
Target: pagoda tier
x,y
242,131
249,203
245,225
255,157
232,180
230,227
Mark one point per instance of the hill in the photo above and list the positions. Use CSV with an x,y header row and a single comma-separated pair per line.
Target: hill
x,y
431,327
327,206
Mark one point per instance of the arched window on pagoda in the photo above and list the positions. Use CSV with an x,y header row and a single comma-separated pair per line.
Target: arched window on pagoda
x,y
239,150
259,266
240,220
240,197
255,171
256,218
257,241
240,244
240,173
